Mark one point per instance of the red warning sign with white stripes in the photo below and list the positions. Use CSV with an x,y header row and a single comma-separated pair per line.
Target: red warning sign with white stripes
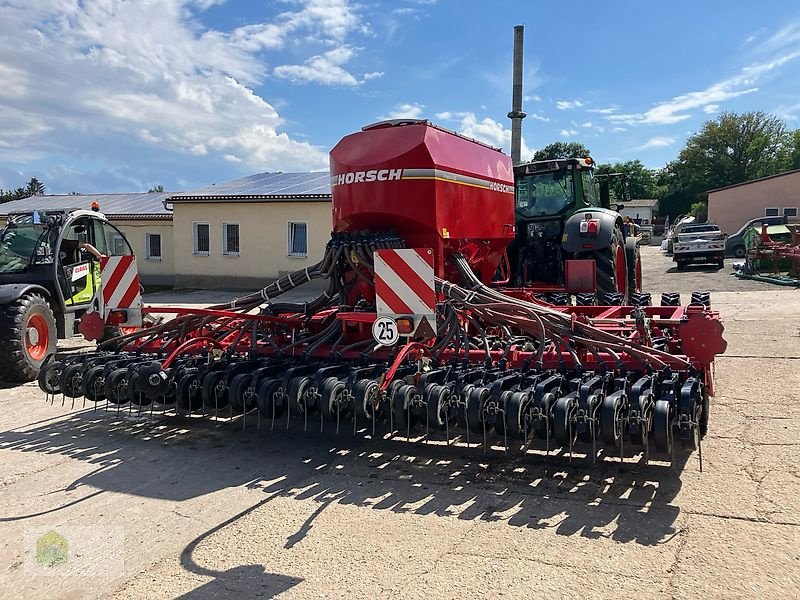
x,y
120,281
404,284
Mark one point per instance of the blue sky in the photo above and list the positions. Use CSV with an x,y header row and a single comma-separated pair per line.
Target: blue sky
x,y
106,95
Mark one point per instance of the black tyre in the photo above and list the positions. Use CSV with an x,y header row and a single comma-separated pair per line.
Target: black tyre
x,y
188,391
135,395
563,430
515,414
240,392
367,400
214,395
611,266
92,384
297,392
27,337
400,413
50,377
330,399
633,258
71,380
703,424
268,406
740,251
611,419
670,299
662,427
436,398
475,403
115,386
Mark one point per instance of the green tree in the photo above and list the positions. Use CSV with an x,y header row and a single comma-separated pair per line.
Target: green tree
x,y
700,211
156,188
793,151
731,149
35,188
640,181
561,150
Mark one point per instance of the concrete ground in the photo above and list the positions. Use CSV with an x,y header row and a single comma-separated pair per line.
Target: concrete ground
x,y
191,508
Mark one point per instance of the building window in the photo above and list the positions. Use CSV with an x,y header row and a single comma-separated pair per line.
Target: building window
x,y
153,246
298,239
772,212
230,239
201,233
790,212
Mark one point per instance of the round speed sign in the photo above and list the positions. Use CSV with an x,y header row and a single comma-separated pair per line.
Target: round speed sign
x,y
384,330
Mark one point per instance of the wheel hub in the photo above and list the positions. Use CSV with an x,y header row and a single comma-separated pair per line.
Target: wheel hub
x,y
33,336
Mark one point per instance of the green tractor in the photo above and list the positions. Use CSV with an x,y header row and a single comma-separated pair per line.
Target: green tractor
x,y
50,282
564,212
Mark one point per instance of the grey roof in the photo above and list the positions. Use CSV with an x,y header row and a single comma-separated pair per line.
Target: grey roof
x,y
269,187
115,206
641,203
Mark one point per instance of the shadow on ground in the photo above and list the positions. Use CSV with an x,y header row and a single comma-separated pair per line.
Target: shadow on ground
x,y
178,458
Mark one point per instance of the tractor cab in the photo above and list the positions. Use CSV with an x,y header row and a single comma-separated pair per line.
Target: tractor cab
x,y
564,212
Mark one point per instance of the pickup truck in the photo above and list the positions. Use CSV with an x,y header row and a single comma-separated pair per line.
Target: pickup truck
x,y
699,244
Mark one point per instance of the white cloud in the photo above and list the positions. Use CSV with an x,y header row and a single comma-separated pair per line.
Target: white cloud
x,y
787,36
567,132
327,21
538,117
326,69
406,111
603,111
656,142
587,125
532,98
119,81
491,132
678,109
710,109
618,129
568,104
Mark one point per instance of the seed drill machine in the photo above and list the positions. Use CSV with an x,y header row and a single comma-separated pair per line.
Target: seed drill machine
x,y
418,331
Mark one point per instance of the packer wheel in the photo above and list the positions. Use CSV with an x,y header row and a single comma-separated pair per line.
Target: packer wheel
x,y
92,384
662,426
563,429
612,419
436,399
50,377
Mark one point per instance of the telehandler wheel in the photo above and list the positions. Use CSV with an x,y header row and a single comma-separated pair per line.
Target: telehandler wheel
x,y
27,337
612,266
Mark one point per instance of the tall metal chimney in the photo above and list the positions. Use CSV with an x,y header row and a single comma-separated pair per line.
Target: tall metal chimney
x,y
516,115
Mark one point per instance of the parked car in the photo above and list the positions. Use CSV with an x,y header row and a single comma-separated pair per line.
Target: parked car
x,y
646,233
735,246
699,244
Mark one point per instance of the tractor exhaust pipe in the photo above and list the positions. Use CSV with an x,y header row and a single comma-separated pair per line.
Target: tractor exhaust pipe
x,y
516,115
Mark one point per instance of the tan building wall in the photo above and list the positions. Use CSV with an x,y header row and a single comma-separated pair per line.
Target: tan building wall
x,y
730,208
151,271
263,235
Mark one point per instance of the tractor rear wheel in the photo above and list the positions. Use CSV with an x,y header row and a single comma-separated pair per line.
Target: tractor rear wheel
x,y
612,266
27,337
633,257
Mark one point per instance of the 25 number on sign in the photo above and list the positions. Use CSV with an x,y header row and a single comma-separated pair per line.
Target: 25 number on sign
x,y
385,332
